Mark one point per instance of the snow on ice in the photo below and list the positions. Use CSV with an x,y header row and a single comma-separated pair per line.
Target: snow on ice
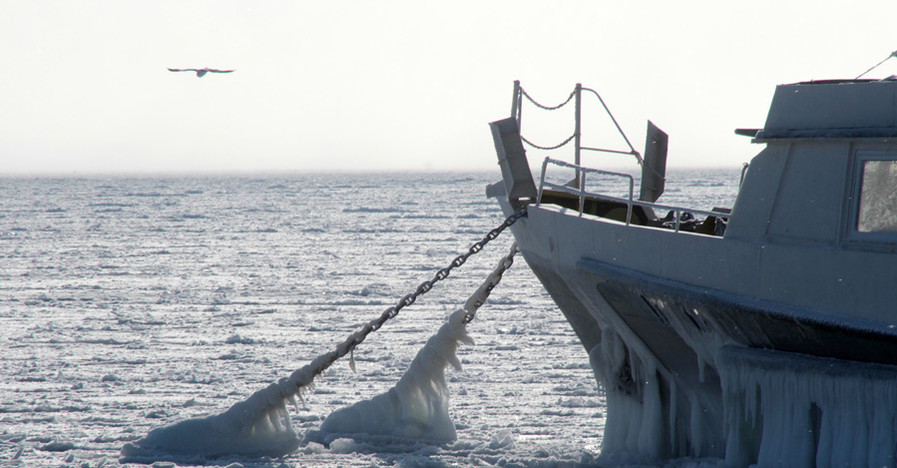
x,y
416,408
130,302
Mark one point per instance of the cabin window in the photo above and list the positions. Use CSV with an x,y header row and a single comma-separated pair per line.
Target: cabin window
x,y
878,196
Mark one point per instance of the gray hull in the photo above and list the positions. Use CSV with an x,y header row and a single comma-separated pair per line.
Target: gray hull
x,y
678,361
766,334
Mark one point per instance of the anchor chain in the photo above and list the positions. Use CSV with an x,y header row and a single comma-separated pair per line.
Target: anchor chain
x,y
444,273
272,396
305,375
348,346
479,297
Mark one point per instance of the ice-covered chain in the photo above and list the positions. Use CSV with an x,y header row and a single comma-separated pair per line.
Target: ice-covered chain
x,y
444,273
324,361
261,422
271,399
479,297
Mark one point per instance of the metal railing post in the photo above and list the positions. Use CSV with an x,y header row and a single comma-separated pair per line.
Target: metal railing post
x,y
542,180
582,194
515,103
576,133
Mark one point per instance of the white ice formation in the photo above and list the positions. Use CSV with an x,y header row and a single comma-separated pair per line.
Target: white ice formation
x,y
632,431
417,407
257,426
785,409
779,409
260,425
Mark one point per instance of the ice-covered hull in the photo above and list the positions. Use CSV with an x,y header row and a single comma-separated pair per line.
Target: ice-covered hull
x,y
765,333
602,319
698,372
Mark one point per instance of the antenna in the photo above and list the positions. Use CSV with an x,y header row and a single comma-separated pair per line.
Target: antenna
x,y
893,54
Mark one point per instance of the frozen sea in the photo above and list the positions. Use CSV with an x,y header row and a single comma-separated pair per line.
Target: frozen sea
x,y
129,303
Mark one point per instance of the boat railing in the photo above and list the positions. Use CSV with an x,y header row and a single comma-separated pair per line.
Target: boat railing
x,y
576,138
577,186
630,201
580,191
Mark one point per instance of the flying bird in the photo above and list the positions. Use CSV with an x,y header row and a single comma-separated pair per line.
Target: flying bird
x,y
200,72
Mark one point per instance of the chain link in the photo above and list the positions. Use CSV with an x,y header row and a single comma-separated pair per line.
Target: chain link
x,y
482,293
273,396
550,108
547,148
305,375
528,97
442,274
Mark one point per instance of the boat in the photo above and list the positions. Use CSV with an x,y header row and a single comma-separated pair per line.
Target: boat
x,y
762,333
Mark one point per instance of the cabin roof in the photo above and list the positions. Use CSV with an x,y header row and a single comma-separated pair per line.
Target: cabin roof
x,y
832,109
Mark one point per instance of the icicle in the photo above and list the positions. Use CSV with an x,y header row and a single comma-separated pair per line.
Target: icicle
x,y
292,400
417,406
352,360
455,362
274,419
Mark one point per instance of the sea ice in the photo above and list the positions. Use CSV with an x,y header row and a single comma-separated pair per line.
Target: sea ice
x,y
257,426
147,322
416,408
216,435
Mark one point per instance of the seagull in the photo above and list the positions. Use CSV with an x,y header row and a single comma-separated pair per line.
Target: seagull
x,y
200,72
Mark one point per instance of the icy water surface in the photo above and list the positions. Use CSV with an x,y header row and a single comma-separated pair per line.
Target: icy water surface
x,y
128,303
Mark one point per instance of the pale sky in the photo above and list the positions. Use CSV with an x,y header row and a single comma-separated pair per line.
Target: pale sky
x,y
399,85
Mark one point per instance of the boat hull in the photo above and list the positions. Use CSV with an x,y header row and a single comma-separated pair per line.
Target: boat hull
x,y
766,333
678,361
